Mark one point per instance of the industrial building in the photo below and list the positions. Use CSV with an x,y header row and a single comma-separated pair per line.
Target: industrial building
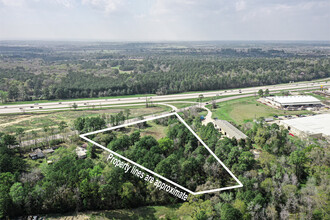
x,y
228,129
313,126
293,102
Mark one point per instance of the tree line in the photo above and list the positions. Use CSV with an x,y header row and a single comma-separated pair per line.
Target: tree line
x,y
158,75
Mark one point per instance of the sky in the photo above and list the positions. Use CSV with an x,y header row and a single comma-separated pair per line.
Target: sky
x,y
165,20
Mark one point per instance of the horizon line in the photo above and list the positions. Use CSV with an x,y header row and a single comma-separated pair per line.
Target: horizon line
x,y
149,41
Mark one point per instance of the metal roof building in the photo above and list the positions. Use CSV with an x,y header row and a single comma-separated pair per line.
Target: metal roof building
x,y
229,130
317,125
286,101
37,154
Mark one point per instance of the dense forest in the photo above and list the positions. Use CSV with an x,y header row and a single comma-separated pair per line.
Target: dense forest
x,y
290,179
68,71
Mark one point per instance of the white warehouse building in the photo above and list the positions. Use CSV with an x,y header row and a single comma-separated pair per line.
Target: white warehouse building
x,y
293,101
312,126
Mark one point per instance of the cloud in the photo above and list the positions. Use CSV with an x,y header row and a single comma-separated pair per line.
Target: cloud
x,y
161,7
35,3
13,3
240,5
108,5
65,3
166,19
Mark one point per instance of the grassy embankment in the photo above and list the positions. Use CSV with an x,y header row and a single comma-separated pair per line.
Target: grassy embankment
x,y
320,97
78,99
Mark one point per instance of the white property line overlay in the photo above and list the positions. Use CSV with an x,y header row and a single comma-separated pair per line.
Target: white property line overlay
x,y
156,174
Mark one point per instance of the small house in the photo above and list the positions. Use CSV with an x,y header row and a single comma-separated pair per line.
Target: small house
x,y
48,151
81,153
37,154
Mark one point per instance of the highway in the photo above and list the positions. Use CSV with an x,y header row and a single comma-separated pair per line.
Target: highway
x,y
52,106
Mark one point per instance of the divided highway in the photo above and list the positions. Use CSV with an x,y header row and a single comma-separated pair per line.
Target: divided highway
x,y
50,106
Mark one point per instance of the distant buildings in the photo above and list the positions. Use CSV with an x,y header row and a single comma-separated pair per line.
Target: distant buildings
x,y
292,102
228,129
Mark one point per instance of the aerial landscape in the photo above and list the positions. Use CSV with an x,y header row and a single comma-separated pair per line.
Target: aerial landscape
x,y
164,109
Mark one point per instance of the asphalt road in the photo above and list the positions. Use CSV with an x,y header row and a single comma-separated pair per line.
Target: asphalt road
x,y
5,109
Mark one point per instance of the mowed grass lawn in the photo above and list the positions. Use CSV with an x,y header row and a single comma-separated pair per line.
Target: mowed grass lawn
x,y
246,109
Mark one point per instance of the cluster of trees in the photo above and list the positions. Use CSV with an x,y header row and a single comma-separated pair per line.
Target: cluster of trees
x,y
87,124
179,156
290,179
262,93
11,166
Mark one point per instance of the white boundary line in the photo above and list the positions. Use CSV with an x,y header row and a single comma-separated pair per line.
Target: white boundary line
x,y
156,174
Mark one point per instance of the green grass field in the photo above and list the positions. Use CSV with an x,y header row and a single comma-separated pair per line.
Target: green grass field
x,y
155,130
148,212
121,71
246,109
